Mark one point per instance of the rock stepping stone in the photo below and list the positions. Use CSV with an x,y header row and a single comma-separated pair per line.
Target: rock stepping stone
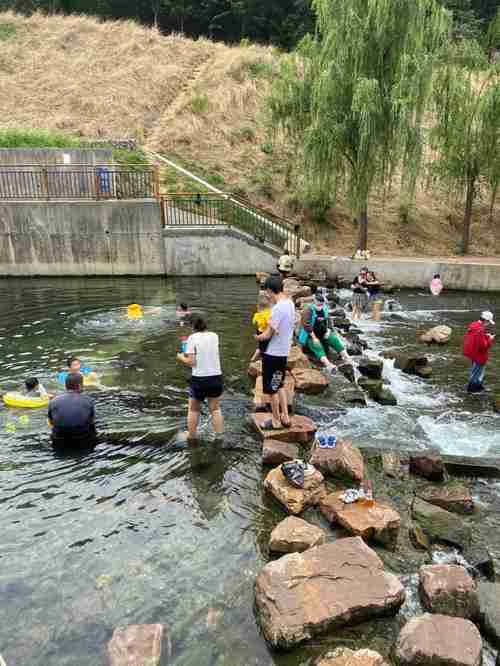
x,y
413,365
309,381
136,645
301,430
429,466
261,400
295,500
440,525
346,657
306,594
297,359
393,466
344,461
275,452
448,589
489,609
378,522
294,535
438,335
439,640
371,367
453,497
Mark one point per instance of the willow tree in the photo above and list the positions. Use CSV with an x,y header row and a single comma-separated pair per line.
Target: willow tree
x,y
466,136
354,96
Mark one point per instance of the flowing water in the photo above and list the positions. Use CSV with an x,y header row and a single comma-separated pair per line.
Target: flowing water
x,y
145,529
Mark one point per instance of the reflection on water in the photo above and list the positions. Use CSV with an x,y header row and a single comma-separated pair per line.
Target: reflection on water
x,y
146,529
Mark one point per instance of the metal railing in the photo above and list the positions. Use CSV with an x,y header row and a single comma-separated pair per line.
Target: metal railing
x,y
95,182
208,209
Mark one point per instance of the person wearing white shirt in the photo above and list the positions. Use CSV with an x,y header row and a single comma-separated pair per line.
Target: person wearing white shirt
x,y
202,356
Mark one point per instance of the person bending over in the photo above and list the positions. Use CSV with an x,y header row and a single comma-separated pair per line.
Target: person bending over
x,y
202,356
72,416
315,337
274,361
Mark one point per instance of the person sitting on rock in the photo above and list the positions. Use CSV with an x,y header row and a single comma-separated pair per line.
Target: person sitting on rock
x,y
261,320
316,338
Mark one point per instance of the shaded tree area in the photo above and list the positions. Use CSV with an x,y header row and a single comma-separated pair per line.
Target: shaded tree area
x,y
279,22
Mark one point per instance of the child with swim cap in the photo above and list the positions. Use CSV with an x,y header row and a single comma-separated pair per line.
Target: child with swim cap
x,y
261,320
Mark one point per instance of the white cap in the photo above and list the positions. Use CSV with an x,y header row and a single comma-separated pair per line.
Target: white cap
x,y
488,316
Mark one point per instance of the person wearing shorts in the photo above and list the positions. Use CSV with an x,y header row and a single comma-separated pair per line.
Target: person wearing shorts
x,y
274,361
202,355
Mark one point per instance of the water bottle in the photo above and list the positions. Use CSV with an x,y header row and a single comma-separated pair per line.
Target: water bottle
x,y
183,345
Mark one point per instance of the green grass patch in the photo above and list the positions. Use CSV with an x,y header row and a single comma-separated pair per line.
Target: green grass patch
x,y
259,70
13,138
130,158
7,31
199,104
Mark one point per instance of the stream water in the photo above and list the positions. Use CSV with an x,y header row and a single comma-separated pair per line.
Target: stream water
x,y
145,529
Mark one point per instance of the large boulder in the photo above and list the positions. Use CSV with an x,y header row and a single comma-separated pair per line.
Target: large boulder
x,y
344,461
371,367
378,522
297,359
428,465
440,525
301,430
306,594
292,498
386,397
373,387
439,335
448,589
346,657
136,645
275,452
294,535
309,381
413,365
455,497
489,609
438,640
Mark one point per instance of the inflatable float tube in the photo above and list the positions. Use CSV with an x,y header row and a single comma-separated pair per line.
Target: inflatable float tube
x,y
16,399
61,377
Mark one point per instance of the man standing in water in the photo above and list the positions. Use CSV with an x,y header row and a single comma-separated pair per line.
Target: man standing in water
x,y
274,361
477,343
71,417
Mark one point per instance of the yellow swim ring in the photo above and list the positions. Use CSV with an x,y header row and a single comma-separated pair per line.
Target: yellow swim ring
x,y
134,311
16,399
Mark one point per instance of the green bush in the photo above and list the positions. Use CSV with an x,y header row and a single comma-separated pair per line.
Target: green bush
x,y
199,104
14,138
259,70
7,30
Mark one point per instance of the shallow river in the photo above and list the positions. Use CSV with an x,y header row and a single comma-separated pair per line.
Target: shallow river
x,y
145,530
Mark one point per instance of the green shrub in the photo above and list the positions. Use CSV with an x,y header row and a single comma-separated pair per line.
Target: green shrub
x,y
199,104
14,138
7,30
259,70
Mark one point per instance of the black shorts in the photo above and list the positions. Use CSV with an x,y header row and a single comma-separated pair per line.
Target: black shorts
x,y
273,373
263,345
206,387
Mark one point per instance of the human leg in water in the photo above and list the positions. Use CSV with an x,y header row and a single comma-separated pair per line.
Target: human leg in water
x,y
193,417
217,418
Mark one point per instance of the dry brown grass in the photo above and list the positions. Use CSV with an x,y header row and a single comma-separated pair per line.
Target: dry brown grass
x,y
203,103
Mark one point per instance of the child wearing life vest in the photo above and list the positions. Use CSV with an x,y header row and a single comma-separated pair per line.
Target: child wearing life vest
x,y
261,320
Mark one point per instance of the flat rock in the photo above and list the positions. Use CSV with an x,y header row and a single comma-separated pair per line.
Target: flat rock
x,y
136,645
292,498
378,522
429,466
275,452
309,381
448,589
371,367
438,640
440,525
346,657
301,430
306,594
344,461
294,535
438,334
262,400
489,609
297,359
386,397
452,497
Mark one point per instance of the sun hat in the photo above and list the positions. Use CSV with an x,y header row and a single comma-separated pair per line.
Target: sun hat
x,y
285,264
488,316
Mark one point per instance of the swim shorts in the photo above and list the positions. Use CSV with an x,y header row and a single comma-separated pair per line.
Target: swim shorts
x,y
206,387
273,373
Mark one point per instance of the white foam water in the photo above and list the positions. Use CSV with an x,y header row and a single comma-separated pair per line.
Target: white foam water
x,y
462,433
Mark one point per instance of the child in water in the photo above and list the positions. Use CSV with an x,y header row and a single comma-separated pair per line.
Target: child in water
x,y
33,389
183,314
436,285
260,320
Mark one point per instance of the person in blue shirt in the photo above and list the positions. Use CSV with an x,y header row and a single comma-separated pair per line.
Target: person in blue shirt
x,y
71,416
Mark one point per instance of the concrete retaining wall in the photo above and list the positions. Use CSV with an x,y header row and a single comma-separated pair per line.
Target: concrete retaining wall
x,y
53,156
473,276
214,251
81,238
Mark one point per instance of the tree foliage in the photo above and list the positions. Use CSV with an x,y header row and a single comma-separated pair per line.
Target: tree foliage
x,y
354,96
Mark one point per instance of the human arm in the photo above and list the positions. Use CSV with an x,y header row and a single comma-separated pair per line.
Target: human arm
x,y
189,356
265,335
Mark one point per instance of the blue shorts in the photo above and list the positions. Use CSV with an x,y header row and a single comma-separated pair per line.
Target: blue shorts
x,y
202,388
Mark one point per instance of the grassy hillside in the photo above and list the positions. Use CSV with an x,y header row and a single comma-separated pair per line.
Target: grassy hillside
x,y
201,103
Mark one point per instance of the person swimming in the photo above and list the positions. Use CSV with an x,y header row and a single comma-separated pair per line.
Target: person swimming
x,y
136,311
74,366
